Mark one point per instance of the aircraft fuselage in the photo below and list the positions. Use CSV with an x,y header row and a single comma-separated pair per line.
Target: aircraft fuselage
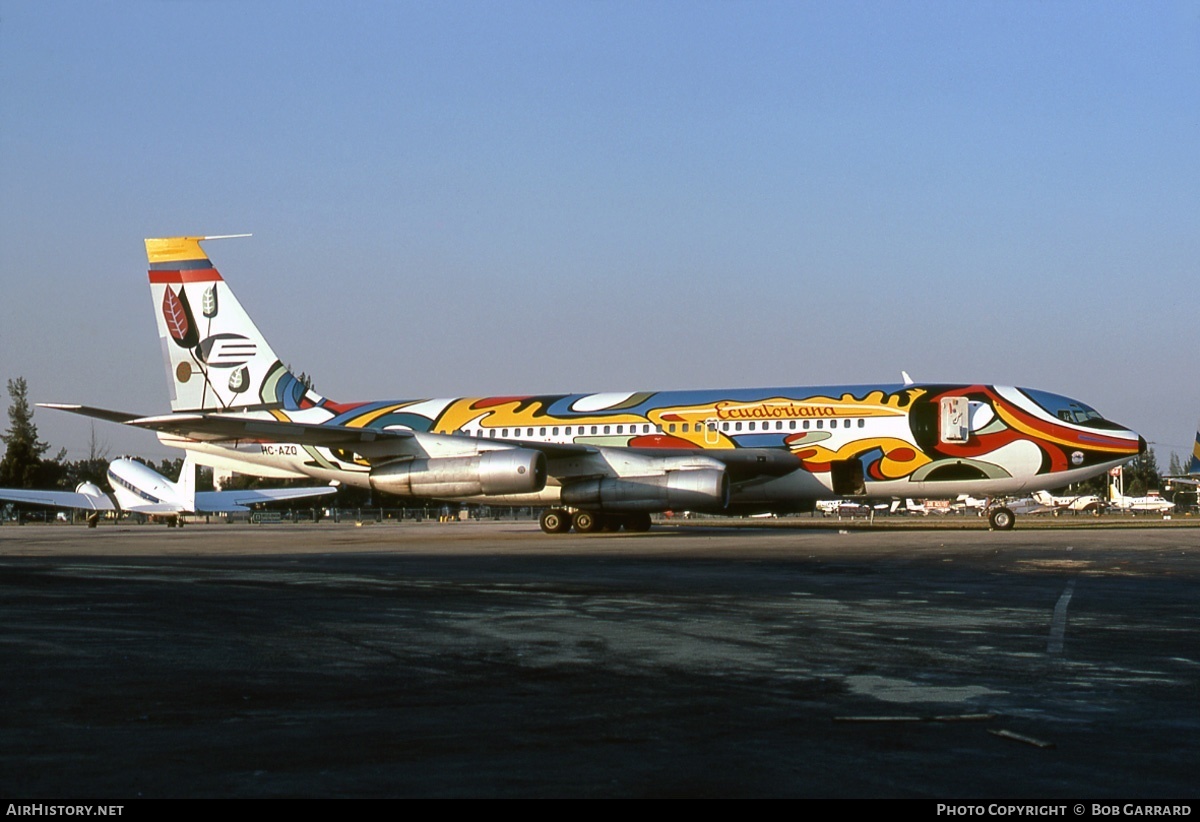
x,y
782,447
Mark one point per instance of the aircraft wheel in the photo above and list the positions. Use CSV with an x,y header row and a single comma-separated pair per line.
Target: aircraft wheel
x,y
637,522
555,521
1002,519
587,522
610,523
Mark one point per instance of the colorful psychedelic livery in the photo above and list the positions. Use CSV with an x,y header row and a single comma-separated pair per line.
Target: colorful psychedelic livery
x,y
610,460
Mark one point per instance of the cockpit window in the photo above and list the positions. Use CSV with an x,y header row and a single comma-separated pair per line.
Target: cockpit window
x,y
1067,409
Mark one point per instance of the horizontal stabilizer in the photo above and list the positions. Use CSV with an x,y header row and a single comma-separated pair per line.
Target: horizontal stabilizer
x,y
89,411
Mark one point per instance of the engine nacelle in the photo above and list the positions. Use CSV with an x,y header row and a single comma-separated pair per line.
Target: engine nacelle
x,y
701,489
91,489
505,471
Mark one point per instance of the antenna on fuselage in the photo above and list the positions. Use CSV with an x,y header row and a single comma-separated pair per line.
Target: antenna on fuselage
x,y
907,379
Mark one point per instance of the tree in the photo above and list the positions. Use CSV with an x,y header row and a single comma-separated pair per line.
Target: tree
x,y
303,379
1175,468
23,466
93,468
1141,474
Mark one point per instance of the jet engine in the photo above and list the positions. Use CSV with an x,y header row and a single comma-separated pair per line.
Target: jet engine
x,y
700,489
505,471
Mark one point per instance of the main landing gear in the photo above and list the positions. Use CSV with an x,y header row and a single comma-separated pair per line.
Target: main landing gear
x,y
1001,519
560,521
555,521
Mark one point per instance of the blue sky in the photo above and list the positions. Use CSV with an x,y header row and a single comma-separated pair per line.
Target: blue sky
x,y
474,198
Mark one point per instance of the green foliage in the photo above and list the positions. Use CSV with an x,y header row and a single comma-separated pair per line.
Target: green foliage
x,y
23,466
1175,466
1142,474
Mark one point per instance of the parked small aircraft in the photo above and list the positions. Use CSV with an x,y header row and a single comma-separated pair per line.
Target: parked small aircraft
x,y
1086,502
610,459
1118,500
139,489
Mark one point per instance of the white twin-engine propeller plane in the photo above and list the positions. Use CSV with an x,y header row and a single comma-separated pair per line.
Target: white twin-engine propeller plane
x,y
142,490
603,461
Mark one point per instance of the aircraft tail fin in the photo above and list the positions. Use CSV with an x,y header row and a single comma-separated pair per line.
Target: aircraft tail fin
x,y
1115,480
187,482
1194,467
216,358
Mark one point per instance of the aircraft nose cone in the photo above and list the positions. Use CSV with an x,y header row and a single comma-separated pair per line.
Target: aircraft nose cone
x,y
1141,445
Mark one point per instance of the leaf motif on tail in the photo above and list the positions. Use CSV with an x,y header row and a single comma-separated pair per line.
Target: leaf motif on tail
x,y
239,380
178,317
208,303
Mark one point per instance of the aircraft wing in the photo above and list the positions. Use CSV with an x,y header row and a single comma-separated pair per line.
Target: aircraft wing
x,y
59,499
367,441
742,463
224,501
226,428
230,427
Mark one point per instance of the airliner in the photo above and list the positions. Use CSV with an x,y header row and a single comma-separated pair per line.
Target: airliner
x,y
139,489
609,460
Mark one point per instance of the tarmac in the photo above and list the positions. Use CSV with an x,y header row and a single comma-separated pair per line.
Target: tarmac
x,y
486,659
